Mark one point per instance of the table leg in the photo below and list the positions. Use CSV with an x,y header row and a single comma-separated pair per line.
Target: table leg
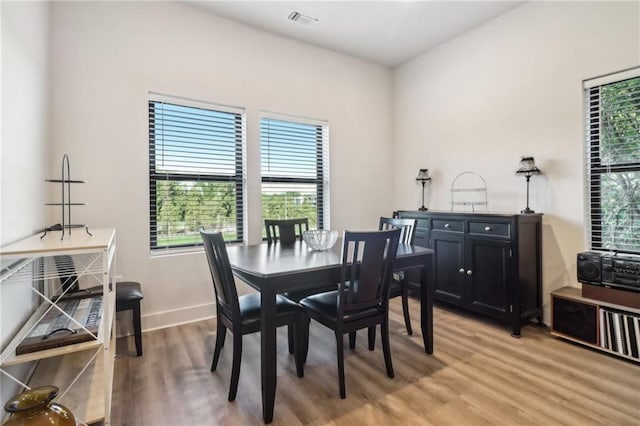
x,y
426,306
268,352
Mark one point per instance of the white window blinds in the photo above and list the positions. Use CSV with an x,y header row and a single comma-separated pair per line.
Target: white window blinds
x,y
295,170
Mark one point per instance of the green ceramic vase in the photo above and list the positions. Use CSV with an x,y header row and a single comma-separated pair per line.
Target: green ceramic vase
x,y
34,408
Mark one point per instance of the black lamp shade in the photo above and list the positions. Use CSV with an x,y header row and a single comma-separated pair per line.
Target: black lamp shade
x,y
423,175
528,167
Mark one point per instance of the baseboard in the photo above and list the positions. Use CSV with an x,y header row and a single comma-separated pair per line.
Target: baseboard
x,y
158,320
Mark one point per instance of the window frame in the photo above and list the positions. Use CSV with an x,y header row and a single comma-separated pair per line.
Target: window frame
x,y
321,179
594,167
239,177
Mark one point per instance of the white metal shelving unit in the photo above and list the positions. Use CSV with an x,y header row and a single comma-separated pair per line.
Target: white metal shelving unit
x,y
82,371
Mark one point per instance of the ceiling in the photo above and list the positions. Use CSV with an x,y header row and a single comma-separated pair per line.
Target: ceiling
x,y
385,32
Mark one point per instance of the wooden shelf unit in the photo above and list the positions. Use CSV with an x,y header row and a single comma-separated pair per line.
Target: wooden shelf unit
x,y
82,371
578,319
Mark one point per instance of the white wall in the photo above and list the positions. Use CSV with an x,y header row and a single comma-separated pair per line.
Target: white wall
x,y
24,148
508,88
25,119
106,57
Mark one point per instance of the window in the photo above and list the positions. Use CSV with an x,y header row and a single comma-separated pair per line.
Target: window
x,y
295,170
196,174
613,161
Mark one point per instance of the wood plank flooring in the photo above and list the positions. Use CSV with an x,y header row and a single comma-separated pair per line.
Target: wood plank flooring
x,y
478,375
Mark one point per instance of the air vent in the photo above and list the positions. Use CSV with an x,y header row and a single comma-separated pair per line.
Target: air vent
x,y
303,19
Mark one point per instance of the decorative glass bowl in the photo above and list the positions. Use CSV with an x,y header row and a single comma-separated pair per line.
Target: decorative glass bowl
x,y
320,239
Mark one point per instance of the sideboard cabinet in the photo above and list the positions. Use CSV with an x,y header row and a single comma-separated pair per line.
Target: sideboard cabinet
x,y
486,263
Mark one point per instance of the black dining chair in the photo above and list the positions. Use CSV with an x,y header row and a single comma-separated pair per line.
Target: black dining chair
x,y
286,231
398,286
241,314
361,300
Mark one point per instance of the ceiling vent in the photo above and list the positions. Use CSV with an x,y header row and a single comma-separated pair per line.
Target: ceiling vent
x,y
303,19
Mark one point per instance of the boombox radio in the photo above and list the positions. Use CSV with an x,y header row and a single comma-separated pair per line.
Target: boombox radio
x,y
609,269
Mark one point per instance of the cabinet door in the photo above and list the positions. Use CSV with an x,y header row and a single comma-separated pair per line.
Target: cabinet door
x,y
488,270
449,260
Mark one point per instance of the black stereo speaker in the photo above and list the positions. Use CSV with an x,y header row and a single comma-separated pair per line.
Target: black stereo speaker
x,y
589,267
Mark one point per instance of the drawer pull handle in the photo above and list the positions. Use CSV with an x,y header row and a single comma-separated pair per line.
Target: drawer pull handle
x,y
469,272
461,270
487,228
447,226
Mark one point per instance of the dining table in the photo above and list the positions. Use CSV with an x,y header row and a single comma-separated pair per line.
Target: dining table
x,y
278,268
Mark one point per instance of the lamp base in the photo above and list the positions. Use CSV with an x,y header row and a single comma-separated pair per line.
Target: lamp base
x,y
527,211
423,209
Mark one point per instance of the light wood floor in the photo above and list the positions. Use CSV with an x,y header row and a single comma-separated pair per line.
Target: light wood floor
x,y
478,375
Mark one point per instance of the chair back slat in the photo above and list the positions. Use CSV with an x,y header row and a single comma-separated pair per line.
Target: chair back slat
x,y
221,273
285,230
407,227
367,263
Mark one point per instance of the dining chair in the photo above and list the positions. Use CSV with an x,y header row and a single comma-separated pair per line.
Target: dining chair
x,y
361,300
398,285
286,231
241,314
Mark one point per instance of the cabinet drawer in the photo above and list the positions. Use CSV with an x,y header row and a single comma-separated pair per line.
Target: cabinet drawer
x,y
422,224
421,221
490,229
448,225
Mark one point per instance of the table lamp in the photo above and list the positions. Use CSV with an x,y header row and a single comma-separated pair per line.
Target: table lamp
x,y
527,169
423,177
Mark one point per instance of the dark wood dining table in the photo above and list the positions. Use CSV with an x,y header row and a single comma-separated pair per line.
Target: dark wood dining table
x,y
276,268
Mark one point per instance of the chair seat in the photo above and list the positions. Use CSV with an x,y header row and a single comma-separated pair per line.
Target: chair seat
x,y
128,291
327,304
298,295
250,306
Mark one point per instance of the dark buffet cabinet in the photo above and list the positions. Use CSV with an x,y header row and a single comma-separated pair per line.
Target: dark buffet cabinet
x,y
486,263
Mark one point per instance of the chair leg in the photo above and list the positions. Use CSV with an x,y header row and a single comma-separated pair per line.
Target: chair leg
x,y
340,352
137,328
299,354
386,347
305,339
372,338
235,368
291,338
405,308
352,340
221,333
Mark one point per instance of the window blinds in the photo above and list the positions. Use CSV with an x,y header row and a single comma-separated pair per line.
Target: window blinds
x,y
613,163
295,170
196,170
